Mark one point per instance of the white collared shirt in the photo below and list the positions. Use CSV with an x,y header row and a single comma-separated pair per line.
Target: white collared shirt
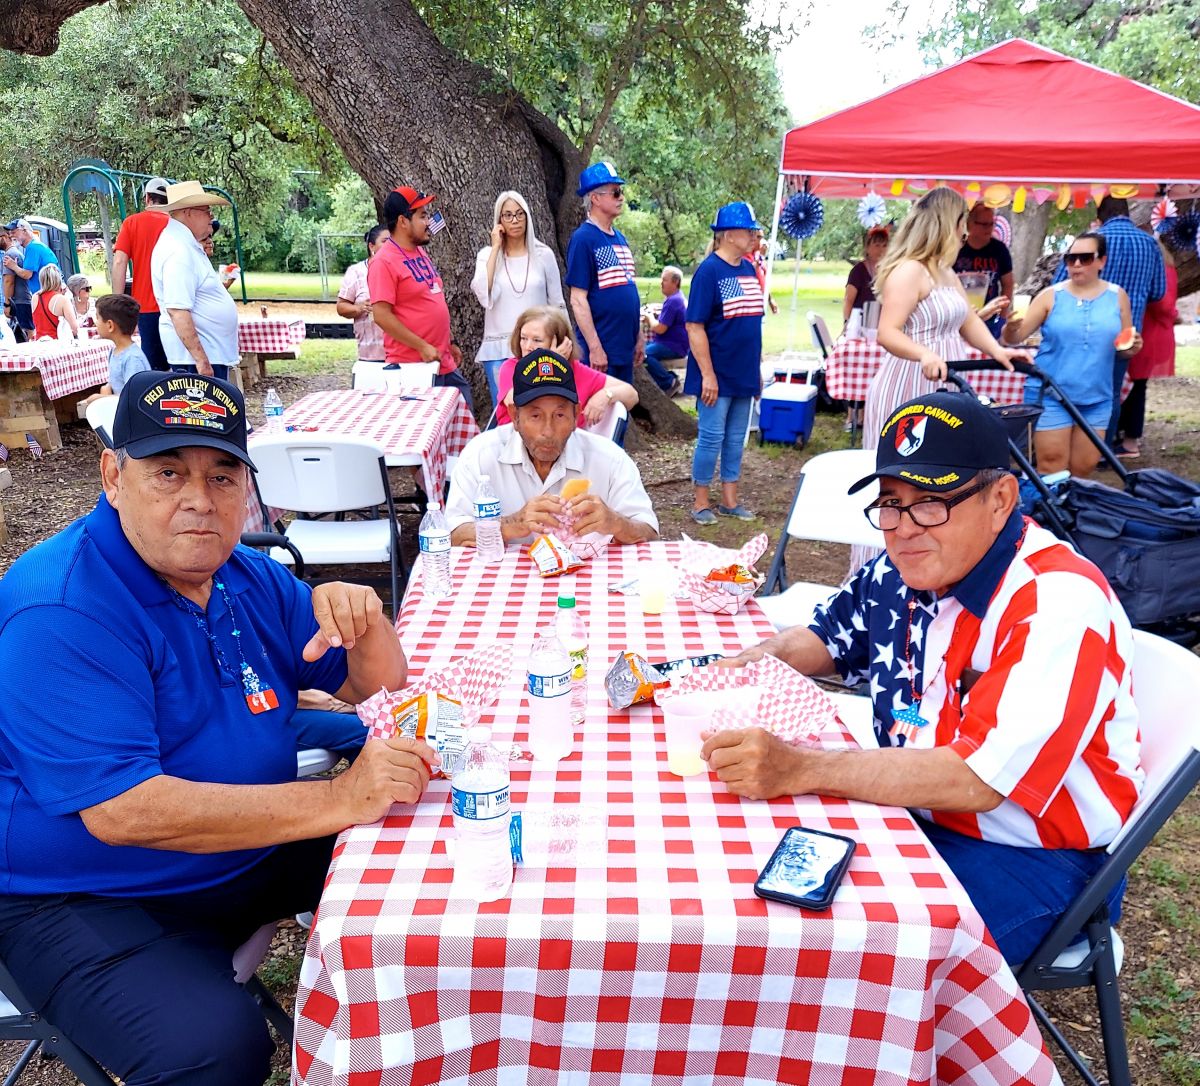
x,y
183,278
501,455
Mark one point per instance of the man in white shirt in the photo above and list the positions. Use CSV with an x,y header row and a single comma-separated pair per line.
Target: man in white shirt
x,y
528,461
198,319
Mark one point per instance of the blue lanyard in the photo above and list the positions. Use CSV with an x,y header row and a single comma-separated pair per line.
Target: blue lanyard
x,y
251,683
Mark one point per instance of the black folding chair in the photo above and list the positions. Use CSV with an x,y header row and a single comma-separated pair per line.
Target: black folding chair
x,y
1165,680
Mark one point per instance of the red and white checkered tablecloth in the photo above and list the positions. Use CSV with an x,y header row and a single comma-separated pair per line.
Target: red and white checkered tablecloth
x,y
652,961
65,367
269,336
853,362
429,423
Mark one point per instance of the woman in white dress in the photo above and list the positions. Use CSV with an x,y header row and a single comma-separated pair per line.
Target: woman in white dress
x,y
80,289
512,274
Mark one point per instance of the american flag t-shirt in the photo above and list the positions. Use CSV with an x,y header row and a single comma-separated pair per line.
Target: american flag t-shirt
x,y
614,266
741,296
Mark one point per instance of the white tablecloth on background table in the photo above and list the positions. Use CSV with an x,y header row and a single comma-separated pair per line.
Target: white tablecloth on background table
x,y
65,367
420,426
653,961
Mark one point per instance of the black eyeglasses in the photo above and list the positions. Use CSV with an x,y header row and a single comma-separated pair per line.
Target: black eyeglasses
x,y
512,216
926,513
1080,258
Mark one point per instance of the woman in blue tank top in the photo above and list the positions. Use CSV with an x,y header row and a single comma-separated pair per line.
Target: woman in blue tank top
x,y
1080,319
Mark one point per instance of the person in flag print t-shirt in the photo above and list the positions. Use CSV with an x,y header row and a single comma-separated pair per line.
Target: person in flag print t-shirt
x,y
999,662
604,297
724,326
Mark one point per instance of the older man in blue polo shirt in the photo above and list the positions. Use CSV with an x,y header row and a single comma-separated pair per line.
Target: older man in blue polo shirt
x,y
148,750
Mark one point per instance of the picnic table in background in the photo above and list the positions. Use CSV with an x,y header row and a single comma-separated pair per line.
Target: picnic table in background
x,y
41,383
260,339
648,960
417,427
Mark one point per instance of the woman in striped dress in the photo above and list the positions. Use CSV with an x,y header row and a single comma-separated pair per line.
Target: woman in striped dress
x,y
925,316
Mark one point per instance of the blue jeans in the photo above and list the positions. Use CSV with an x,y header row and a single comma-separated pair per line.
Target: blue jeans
x,y
340,732
491,370
656,355
1019,892
152,346
455,379
221,373
723,431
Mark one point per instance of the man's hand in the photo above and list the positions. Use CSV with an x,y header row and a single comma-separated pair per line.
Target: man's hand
x,y
708,389
204,368
344,612
588,513
746,656
537,516
429,353
639,349
456,354
387,771
10,263
598,359
774,307
753,763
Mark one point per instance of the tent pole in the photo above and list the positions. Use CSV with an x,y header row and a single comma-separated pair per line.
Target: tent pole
x,y
774,234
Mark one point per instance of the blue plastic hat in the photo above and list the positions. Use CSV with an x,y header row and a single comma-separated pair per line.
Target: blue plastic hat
x,y
736,216
597,174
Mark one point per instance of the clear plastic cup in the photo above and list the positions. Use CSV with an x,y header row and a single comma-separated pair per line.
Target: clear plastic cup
x,y
685,717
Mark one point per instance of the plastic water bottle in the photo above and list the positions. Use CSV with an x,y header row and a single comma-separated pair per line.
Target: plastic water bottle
x,y
572,632
489,541
479,798
273,409
434,538
551,733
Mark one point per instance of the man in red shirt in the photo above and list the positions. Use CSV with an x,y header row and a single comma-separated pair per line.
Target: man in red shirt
x,y
136,240
408,299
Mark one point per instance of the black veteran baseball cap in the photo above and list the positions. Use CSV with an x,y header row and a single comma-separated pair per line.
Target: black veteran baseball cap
x,y
939,442
543,373
161,411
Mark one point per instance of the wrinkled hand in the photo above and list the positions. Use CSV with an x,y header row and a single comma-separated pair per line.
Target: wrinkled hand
x,y
344,612
587,513
562,347
429,353
598,359
746,656
593,410
204,368
387,771
708,389
933,368
540,515
752,762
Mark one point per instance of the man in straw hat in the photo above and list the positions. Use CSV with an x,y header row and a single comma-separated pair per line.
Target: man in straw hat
x,y
999,668
198,321
153,821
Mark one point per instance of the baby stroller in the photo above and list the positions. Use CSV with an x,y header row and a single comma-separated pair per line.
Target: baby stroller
x,y
1144,534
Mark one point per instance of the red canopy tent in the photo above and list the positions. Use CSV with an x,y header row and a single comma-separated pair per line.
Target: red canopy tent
x,y
1017,114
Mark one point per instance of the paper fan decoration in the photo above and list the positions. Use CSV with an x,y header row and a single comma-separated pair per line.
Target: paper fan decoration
x,y
1162,214
1002,231
1181,234
871,210
802,216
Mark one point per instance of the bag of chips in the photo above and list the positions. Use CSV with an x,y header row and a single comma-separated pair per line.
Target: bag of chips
x,y
552,556
436,719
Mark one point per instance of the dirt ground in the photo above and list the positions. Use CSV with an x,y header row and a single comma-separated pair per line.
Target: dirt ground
x,y
1161,925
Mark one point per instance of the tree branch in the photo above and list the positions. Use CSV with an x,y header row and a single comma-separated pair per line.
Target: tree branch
x,y
620,72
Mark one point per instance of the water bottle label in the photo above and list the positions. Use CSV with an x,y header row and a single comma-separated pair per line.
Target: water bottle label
x,y
485,510
434,542
549,686
579,663
480,806
273,412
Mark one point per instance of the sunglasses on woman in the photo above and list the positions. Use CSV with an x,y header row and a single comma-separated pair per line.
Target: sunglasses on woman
x,y
1080,258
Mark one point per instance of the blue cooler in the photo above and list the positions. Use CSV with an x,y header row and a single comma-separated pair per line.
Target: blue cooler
x,y
787,412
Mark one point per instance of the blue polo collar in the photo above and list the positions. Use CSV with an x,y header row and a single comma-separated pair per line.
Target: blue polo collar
x,y
976,589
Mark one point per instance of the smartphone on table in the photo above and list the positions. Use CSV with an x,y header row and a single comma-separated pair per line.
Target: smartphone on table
x,y
806,868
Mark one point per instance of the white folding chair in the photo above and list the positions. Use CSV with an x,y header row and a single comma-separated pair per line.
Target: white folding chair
x,y
612,423
331,474
100,415
821,338
409,375
1165,680
821,510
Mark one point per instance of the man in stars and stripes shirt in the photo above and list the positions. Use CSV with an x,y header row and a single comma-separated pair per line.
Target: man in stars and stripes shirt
x,y
600,276
999,668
